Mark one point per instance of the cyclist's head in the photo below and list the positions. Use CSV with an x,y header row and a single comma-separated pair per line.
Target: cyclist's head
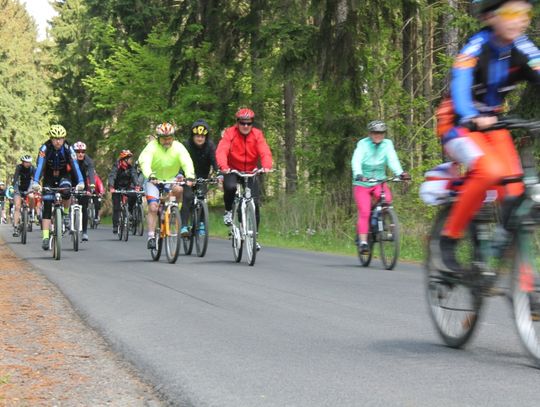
x,y
165,132
199,132
244,120
509,19
2,184
377,131
125,155
26,160
57,135
80,149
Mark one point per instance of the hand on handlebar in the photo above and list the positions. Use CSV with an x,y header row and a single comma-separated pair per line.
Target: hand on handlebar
x,y
404,176
360,178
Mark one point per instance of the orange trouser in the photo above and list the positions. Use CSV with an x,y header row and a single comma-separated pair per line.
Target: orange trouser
x,y
499,159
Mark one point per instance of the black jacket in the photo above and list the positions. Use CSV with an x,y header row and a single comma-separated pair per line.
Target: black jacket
x,y
123,179
203,157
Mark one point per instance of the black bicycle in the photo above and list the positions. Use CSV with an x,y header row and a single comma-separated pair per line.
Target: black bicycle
x,y
199,221
383,229
125,221
93,216
137,216
456,299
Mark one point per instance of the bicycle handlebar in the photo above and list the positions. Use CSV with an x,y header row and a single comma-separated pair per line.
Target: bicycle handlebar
x,y
250,174
128,192
510,123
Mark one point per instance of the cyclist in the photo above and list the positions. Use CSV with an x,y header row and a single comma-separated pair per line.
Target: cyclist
x,y
122,176
10,192
163,159
240,148
369,161
2,201
22,180
86,165
203,154
56,162
486,69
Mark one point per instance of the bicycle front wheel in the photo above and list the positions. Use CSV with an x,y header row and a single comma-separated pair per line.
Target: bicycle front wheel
x,y
121,224
454,304
75,229
172,238
126,223
91,214
57,234
140,220
389,238
188,241
156,253
23,226
236,235
526,291
201,229
251,234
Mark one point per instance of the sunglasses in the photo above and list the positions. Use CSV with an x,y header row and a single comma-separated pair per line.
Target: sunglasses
x,y
245,123
80,151
511,13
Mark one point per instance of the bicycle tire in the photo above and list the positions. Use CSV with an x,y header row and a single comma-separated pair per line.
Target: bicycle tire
x,y
75,233
365,258
236,237
140,220
156,253
188,241
251,234
126,223
454,305
172,238
201,242
526,293
389,238
57,238
133,222
91,213
121,224
29,225
23,225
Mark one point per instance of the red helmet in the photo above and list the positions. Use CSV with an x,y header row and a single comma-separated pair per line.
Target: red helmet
x,y
245,114
125,154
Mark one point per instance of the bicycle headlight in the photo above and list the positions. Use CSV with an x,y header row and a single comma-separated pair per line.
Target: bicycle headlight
x,y
535,193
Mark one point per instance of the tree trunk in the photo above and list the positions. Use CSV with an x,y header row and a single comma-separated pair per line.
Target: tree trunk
x,y
291,174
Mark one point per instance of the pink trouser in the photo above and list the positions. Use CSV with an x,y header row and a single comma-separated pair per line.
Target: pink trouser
x,y
362,197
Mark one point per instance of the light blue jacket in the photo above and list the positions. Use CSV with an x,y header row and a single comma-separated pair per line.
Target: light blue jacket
x,y
370,160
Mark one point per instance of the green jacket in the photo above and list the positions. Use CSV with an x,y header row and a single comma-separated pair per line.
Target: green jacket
x,y
165,164
370,160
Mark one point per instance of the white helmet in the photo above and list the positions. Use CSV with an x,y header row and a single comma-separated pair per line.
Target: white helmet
x,y
79,145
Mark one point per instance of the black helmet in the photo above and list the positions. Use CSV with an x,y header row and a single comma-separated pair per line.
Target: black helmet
x,y
200,127
483,6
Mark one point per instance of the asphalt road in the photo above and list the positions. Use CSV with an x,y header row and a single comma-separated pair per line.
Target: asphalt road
x,y
297,329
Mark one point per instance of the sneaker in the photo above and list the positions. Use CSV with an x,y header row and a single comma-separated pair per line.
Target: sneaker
x,y
115,230
16,232
45,243
364,248
151,244
448,254
85,237
202,229
184,231
258,246
227,218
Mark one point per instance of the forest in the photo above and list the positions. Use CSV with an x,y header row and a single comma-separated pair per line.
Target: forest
x,y
314,71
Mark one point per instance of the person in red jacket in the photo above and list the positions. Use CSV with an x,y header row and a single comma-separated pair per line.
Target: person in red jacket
x,y
241,148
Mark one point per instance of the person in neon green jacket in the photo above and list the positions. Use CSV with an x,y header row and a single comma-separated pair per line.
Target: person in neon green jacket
x,y
164,159
370,159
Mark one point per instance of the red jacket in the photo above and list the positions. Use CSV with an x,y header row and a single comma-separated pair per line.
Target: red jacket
x,y
241,153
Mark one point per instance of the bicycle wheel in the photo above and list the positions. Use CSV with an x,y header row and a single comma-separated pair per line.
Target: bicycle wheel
x,y
140,220
126,222
29,224
188,241
236,235
172,238
57,234
526,291
23,225
156,253
453,303
251,234
75,226
389,238
201,229
91,211
121,224
365,258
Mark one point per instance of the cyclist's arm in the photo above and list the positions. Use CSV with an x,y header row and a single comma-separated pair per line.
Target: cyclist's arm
x,y
222,151
392,159
90,170
112,175
212,154
356,161
75,165
186,163
16,179
145,159
134,176
264,152
531,55
40,163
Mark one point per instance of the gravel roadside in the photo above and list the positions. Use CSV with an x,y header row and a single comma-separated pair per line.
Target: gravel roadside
x,y
49,356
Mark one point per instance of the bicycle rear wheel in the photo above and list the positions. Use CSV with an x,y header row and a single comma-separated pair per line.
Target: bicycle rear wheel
x,y
365,258
57,234
201,229
23,225
389,238
454,304
172,238
526,291
251,234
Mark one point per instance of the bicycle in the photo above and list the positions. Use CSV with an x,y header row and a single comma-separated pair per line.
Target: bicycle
x,y
199,221
137,217
384,229
455,300
124,223
91,210
168,223
57,224
24,225
243,229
